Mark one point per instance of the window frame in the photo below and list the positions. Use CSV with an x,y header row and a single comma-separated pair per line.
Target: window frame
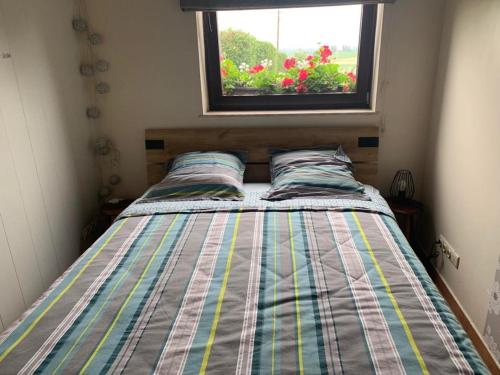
x,y
361,99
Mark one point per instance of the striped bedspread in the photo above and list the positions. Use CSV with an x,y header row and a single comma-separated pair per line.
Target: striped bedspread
x,y
247,291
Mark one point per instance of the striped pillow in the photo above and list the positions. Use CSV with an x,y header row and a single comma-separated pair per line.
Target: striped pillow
x,y
281,160
200,175
313,173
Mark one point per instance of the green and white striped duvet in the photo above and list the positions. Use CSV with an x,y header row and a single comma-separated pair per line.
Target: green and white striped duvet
x,y
252,290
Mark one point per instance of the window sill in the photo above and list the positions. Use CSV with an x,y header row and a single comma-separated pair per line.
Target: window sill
x,y
289,113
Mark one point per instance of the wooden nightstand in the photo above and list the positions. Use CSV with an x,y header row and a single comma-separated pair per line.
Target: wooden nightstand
x,y
111,210
100,223
407,214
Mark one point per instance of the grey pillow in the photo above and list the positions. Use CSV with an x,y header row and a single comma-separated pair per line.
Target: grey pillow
x,y
313,173
210,175
321,155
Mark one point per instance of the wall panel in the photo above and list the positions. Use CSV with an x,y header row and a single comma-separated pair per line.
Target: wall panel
x,y
48,189
10,292
12,204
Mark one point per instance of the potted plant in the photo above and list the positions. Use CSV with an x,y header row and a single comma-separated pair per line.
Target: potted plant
x,y
317,73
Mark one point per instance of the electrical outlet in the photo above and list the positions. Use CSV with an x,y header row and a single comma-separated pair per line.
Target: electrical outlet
x,y
449,252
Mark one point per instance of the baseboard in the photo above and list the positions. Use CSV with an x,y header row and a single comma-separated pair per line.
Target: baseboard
x,y
463,318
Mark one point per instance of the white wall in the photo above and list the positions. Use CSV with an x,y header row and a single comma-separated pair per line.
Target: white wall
x,y
48,181
463,166
155,83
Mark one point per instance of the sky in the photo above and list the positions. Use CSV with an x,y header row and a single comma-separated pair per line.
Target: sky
x,y
300,28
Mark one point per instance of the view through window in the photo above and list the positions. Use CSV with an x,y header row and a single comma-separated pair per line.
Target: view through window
x,y
289,51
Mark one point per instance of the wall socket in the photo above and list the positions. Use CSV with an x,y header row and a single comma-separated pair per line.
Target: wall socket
x,y
449,252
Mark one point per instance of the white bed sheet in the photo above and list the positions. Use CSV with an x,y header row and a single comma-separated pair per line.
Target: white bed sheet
x,y
256,187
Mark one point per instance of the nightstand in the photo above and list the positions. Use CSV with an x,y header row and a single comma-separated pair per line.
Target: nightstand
x,y
111,210
407,214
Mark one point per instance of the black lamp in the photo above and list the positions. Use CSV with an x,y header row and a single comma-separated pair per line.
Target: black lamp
x,y
402,187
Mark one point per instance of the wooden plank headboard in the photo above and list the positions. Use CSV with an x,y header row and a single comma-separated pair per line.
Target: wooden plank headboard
x,y
360,143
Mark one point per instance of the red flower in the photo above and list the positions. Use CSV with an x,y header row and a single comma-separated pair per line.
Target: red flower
x,y
257,68
223,72
352,76
310,60
287,82
301,88
346,88
303,74
290,63
325,52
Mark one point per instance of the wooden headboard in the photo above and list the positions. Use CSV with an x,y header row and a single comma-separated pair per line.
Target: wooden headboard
x,y
360,143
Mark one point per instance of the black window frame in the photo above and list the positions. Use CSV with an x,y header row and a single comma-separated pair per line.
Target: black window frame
x,y
361,99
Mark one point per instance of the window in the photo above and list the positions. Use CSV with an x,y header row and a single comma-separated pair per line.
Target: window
x,y
290,59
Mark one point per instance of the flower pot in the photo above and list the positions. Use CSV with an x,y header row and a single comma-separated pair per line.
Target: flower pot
x,y
247,91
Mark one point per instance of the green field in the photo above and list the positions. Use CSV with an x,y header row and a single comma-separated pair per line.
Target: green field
x,y
346,59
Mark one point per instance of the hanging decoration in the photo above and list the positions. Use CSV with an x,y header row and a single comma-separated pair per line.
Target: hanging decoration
x,y
86,70
102,88
95,39
115,179
103,146
80,25
109,160
102,66
107,152
93,113
92,68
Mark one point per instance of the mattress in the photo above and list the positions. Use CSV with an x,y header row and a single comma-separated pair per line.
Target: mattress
x,y
292,287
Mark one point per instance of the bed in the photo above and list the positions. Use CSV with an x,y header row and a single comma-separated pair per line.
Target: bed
x,y
298,286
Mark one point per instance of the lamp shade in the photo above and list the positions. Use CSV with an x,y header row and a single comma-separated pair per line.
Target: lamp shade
x,y
402,186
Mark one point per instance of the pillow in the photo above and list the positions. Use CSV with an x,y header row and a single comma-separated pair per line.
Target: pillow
x,y
283,159
209,175
313,174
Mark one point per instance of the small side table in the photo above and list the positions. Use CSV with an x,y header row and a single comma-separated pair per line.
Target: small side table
x,y
407,214
111,210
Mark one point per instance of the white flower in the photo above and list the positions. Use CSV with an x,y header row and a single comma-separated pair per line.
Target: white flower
x,y
266,63
303,64
244,67
494,304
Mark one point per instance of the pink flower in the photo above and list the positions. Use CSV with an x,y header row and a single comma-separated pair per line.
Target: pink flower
x,y
257,68
325,52
287,82
301,88
346,88
290,63
303,74
352,76
223,72
309,59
